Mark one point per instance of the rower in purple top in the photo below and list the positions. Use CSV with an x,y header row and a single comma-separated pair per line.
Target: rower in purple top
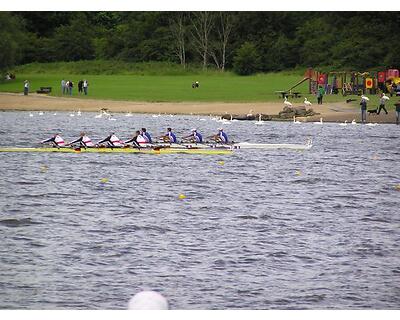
x,y
169,136
220,137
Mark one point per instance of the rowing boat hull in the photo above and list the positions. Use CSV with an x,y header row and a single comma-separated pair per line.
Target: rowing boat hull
x,y
121,150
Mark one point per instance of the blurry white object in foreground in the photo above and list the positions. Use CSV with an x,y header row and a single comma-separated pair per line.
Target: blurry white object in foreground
x,y
148,300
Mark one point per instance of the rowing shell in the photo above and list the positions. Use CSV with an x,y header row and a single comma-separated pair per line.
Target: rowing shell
x,y
120,150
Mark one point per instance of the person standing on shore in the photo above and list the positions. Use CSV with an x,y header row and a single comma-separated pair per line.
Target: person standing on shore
x,y
397,105
80,86
26,87
363,105
85,86
320,94
382,101
63,86
71,85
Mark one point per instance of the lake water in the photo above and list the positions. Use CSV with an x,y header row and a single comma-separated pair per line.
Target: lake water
x,y
259,229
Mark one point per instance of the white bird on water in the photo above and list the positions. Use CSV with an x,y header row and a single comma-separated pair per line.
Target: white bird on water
x,y
259,120
354,121
286,102
343,123
79,113
148,300
307,103
319,122
295,121
371,124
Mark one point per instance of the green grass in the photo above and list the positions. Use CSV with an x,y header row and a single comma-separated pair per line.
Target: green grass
x,y
138,82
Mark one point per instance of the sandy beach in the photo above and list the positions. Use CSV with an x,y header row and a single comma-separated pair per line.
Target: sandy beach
x,y
330,112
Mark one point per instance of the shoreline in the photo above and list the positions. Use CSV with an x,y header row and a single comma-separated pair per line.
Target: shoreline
x,y
329,112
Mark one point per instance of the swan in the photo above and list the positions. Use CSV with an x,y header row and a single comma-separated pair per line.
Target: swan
x,y
79,113
371,124
343,124
72,114
307,103
295,121
128,114
319,122
259,120
365,98
286,102
384,96
250,114
40,113
31,114
354,121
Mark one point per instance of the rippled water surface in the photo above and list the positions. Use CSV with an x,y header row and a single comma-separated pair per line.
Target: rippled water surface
x,y
275,229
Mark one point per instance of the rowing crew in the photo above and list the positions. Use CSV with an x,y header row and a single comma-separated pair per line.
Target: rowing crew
x,y
140,138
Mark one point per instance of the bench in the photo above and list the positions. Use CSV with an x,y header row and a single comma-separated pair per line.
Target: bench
x,y
44,90
289,94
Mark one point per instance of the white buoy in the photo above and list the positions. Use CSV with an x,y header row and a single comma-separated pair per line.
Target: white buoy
x,y
148,300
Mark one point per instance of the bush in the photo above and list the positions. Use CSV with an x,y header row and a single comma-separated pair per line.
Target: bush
x,y
247,60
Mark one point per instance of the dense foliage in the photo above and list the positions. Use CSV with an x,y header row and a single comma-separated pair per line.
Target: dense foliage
x,y
246,42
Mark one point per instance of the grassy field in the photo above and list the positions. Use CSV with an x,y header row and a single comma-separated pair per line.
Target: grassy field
x,y
139,83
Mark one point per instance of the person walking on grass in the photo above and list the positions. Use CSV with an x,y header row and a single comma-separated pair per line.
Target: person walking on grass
x,y
85,86
26,87
382,101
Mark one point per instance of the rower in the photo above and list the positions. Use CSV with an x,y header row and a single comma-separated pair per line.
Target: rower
x,y
112,141
136,140
194,136
57,141
220,137
169,136
146,135
84,141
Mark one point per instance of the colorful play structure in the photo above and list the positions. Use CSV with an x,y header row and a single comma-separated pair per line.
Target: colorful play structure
x,y
348,82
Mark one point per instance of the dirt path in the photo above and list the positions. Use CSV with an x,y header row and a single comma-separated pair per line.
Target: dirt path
x,y
329,112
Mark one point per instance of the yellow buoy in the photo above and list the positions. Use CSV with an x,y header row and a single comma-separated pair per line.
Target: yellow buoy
x,y
297,173
104,180
397,187
43,168
221,163
182,196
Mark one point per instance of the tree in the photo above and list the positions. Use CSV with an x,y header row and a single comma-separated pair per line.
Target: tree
x,y
177,25
202,23
11,40
246,60
224,29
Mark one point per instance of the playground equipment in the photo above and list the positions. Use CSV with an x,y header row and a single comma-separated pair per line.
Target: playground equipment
x,y
348,82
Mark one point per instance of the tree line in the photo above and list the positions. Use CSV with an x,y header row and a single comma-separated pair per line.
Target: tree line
x,y
245,42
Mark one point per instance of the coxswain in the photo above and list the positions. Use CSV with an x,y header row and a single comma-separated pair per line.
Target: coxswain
x,y
84,141
220,137
136,140
112,141
57,141
169,136
146,135
194,136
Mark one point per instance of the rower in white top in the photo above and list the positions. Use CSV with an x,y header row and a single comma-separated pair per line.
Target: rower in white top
x,y
56,140
112,141
83,140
